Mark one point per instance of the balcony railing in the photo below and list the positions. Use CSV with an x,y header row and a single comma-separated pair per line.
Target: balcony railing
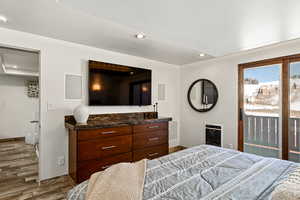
x,y
262,132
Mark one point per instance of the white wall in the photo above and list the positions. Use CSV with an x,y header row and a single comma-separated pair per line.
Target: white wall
x,y
16,108
59,57
224,73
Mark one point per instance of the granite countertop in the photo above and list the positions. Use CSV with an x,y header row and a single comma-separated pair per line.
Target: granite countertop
x,y
115,120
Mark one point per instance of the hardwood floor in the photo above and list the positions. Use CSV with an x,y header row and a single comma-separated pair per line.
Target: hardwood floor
x,y
19,175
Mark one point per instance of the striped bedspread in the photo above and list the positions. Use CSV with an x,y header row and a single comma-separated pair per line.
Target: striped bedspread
x,y
207,172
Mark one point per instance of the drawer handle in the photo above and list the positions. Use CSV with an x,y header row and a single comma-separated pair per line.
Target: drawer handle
x,y
108,132
105,167
151,127
109,147
153,139
153,154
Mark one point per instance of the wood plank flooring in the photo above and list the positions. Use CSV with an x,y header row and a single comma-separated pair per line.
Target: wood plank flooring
x,y
19,175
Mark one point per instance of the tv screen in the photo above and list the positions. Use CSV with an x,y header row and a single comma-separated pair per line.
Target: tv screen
x,y
111,84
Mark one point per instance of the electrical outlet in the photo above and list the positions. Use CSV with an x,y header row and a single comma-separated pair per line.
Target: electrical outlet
x,y
61,161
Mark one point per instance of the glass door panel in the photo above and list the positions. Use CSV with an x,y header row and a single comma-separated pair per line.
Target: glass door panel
x,y
261,110
294,118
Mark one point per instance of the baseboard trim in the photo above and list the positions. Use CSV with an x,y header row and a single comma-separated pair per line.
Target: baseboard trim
x,y
12,139
66,177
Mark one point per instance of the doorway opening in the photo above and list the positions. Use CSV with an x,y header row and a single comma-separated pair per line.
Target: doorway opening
x,y
19,114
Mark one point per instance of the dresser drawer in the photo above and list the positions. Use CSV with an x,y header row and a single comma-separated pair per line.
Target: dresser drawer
x,y
101,148
87,168
150,139
150,127
150,153
103,133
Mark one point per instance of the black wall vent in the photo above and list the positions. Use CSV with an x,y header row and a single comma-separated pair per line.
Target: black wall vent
x,y
213,135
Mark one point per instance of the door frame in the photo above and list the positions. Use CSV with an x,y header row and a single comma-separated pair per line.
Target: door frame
x,y
37,51
285,61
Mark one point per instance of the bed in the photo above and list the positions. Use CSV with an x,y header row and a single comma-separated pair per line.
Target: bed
x,y
208,172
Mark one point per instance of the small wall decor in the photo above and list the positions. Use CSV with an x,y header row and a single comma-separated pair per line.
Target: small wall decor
x,y
33,89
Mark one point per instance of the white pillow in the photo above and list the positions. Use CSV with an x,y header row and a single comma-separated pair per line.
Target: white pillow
x,y
289,189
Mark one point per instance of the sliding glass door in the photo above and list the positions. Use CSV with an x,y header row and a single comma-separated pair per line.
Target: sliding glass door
x,y
261,110
294,110
269,108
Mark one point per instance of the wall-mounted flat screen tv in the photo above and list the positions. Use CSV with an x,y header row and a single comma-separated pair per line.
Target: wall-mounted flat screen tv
x,y
112,84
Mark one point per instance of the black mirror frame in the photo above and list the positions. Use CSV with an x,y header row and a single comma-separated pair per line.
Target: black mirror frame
x,y
189,99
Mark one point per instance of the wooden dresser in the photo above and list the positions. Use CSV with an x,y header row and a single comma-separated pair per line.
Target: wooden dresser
x,y
93,148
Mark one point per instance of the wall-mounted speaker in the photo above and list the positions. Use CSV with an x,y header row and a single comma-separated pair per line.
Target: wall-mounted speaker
x,y
73,87
161,92
173,126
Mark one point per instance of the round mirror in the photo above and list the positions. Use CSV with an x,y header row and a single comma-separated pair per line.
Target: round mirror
x,y
203,95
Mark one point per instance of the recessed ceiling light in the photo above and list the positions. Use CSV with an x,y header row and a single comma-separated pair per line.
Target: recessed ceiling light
x,y
202,54
140,36
3,19
15,66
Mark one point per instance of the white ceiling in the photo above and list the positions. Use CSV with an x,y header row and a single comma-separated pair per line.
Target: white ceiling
x,y
177,30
